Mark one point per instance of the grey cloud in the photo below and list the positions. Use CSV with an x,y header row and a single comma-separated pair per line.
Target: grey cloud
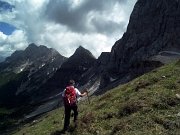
x,y
107,26
76,19
58,11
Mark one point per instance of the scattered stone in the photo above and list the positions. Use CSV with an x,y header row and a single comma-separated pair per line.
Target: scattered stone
x,y
178,96
34,121
97,132
178,114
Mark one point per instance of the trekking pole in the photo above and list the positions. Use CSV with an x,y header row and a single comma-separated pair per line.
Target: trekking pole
x,y
63,116
63,119
88,97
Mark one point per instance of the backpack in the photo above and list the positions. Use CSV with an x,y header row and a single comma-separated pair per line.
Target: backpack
x,y
70,96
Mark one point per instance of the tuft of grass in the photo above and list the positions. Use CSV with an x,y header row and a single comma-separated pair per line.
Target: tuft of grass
x,y
146,105
130,108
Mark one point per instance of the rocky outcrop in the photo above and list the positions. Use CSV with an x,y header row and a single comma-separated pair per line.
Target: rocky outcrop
x,y
153,27
102,61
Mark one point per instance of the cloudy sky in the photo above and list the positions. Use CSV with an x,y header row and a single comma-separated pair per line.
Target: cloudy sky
x,y
63,24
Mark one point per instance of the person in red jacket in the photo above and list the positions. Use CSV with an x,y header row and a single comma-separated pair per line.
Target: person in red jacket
x,y
68,99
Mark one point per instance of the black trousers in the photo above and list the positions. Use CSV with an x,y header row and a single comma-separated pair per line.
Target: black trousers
x,y
68,114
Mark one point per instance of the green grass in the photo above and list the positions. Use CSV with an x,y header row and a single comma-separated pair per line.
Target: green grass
x,y
146,105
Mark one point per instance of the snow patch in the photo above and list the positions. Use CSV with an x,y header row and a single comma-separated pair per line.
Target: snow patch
x,y
171,52
112,79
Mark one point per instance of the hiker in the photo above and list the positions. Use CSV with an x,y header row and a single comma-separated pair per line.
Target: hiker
x,y
70,95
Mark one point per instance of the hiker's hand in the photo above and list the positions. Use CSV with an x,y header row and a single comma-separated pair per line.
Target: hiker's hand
x,y
86,90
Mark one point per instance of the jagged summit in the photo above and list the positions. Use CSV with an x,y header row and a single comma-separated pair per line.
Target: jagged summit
x,y
81,55
82,51
32,45
33,55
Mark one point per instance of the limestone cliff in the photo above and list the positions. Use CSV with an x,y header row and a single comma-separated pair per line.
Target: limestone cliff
x,y
153,28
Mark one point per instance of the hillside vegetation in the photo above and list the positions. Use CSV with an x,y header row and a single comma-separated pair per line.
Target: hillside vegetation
x,y
147,105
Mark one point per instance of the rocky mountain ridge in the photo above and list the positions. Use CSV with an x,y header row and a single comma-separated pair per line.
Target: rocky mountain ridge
x,y
32,67
23,60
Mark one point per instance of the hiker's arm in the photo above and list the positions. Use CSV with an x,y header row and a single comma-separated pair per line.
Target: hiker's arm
x,y
86,91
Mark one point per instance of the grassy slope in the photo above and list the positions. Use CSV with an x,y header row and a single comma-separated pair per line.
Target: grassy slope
x,y
146,105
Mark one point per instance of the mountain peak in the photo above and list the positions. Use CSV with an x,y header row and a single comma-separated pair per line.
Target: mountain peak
x,y
32,45
82,51
80,48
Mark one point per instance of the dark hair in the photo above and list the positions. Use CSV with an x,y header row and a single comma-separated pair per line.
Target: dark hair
x,y
71,82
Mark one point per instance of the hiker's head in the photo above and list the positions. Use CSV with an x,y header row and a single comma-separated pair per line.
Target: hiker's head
x,y
72,82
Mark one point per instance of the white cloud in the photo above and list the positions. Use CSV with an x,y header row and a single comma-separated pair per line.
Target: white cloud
x,y
16,41
2,36
66,24
16,37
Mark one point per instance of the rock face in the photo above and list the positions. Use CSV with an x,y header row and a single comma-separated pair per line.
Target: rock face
x,y
153,27
102,61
